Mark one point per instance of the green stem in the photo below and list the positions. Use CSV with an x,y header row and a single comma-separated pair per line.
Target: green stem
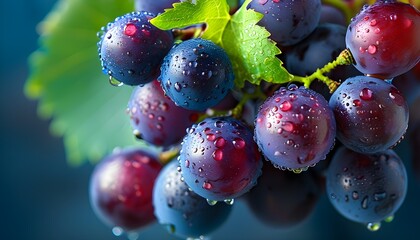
x,y
345,58
166,156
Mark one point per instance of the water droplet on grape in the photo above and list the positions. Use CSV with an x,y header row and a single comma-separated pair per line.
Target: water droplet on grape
x,y
187,163
130,29
220,142
366,94
229,201
357,103
373,226
218,155
285,106
211,137
355,195
207,185
211,202
114,82
117,231
288,126
379,196
177,87
238,143
365,202
372,49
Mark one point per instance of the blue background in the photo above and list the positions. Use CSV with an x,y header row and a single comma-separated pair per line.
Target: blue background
x,y
43,198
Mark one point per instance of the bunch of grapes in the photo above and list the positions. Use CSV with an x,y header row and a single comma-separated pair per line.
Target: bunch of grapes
x,y
213,136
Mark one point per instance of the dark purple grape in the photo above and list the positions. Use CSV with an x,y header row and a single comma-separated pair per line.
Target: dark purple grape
x,y
219,159
371,114
283,198
155,6
384,39
295,128
331,14
121,188
183,212
196,74
131,49
288,21
366,188
322,46
155,118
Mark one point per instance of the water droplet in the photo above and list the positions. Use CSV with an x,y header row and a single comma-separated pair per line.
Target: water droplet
x,y
365,202
220,142
355,195
285,106
288,126
229,201
207,185
114,82
200,170
357,103
395,95
377,30
393,17
366,94
372,49
211,202
117,231
373,226
187,163
379,196
218,155
130,29
211,137
177,87
297,170
373,22
268,125
238,143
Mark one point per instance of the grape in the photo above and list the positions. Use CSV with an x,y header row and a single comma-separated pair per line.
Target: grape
x,y
186,214
366,188
384,39
196,74
131,49
330,14
295,128
219,159
282,198
155,6
371,114
322,46
121,188
155,118
288,21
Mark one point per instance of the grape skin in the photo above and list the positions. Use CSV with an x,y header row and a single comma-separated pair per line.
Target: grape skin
x,y
186,214
288,21
371,114
131,49
196,74
295,128
219,158
366,188
155,118
384,39
121,188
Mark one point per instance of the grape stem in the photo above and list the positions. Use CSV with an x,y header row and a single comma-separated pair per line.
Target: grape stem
x,y
344,58
166,156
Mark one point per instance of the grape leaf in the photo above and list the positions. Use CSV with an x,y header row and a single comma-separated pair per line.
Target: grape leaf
x,y
215,13
67,80
252,53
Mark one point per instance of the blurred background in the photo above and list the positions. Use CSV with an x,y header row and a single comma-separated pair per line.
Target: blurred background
x,y
43,198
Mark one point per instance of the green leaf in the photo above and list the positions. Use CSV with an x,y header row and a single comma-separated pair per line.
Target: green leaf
x,y
252,53
67,80
215,13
